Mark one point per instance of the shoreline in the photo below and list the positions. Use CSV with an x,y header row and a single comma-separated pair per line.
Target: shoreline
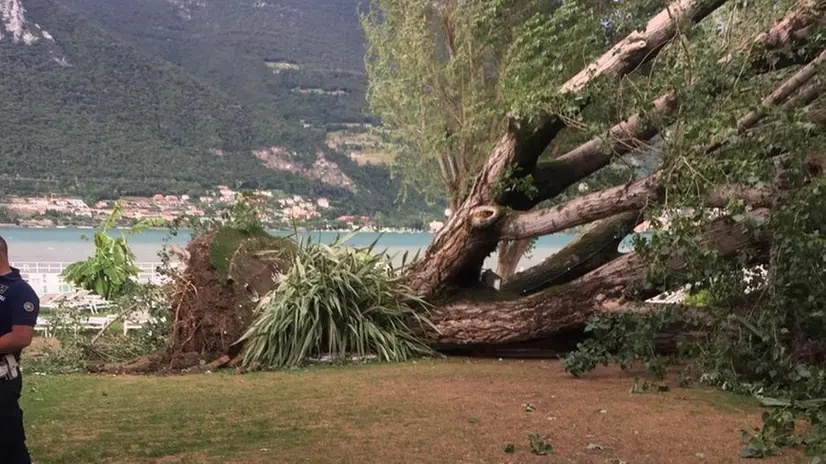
x,y
300,229
270,230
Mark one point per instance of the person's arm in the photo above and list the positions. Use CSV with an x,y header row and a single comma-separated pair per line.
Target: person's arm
x,y
20,337
24,306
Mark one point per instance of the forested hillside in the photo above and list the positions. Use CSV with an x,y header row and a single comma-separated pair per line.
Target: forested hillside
x,y
101,113
279,55
88,107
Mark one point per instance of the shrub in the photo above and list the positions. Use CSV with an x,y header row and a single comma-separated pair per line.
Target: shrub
x,y
339,301
70,346
111,271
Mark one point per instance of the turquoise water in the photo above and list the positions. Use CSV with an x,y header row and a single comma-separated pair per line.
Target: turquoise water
x,y
66,244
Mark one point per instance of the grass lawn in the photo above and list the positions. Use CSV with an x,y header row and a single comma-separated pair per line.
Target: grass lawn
x,y
452,411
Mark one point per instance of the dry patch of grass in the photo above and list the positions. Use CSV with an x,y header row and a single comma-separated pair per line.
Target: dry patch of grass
x,y
363,147
427,412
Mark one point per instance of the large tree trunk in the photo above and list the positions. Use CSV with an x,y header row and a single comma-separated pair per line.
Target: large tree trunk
x,y
601,291
589,276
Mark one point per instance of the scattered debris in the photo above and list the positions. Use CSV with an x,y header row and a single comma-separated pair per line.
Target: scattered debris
x,y
538,446
529,407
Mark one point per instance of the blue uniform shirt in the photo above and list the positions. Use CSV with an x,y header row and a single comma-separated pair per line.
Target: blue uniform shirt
x,y
19,304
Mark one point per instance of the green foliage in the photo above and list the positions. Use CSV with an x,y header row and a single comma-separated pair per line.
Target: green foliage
x,y
241,48
433,80
223,246
111,271
699,298
152,301
76,347
226,241
648,387
445,78
623,339
547,48
513,181
64,358
176,108
336,301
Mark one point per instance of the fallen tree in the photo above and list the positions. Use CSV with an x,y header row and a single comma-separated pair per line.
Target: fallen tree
x,y
455,257
605,290
729,119
709,114
489,212
488,218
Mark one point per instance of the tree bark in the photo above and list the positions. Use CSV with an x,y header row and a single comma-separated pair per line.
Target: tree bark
x,y
639,47
478,224
510,253
637,195
569,305
598,205
581,210
806,95
779,45
591,249
783,92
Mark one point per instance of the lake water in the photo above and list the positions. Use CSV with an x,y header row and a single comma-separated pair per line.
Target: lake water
x,y
67,245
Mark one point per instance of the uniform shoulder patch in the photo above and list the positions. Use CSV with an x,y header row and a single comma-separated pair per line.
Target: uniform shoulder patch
x,y
28,306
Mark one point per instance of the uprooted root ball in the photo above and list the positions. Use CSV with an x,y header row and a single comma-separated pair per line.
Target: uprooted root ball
x,y
211,309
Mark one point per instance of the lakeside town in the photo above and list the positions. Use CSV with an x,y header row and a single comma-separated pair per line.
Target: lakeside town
x,y
281,210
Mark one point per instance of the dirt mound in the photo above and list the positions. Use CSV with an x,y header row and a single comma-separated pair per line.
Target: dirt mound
x,y
211,307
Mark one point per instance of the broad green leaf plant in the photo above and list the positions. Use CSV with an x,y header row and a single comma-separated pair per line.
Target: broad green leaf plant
x,y
111,271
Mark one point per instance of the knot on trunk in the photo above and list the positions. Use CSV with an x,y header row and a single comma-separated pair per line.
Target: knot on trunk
x,y
483,216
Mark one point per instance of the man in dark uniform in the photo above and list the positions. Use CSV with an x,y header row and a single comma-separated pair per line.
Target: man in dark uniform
x,y
19,306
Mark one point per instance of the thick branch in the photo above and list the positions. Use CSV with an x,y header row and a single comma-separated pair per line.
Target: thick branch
x,y
781,45
570,305
598,205
509,255
591,249
805,96
458,251
581,210
757,197
792,31
794,27
782,92
639,47
554,177
629,198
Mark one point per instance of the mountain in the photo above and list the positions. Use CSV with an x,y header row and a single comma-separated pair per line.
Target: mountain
x,y
300,59
111,97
